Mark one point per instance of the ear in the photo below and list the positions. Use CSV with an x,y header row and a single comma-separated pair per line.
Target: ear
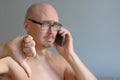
x,y
26,25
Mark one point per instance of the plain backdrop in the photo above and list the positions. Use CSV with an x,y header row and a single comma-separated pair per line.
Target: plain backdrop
x,y
94,25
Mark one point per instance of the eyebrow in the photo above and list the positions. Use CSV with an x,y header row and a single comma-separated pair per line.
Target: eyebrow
x,y
50,22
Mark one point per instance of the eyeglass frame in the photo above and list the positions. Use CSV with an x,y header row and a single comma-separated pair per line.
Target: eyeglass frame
x,y
42,23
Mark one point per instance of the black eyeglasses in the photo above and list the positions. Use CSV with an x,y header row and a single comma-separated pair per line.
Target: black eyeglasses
x,y
46,25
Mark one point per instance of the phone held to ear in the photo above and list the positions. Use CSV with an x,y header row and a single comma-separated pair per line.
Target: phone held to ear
x,y
59,40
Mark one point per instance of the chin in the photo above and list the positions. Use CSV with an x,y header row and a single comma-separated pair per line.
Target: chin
x,y
48,45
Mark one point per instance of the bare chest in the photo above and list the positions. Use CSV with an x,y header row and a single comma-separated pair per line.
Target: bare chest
x,y
45,70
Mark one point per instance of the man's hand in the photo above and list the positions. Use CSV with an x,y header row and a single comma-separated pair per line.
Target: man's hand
x,y
20,49
67,47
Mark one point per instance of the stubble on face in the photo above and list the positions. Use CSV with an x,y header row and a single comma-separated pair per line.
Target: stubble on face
x,y
49,39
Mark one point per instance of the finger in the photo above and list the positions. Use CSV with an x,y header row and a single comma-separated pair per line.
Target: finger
x,y
63,32
21,38
28,38
29,44
26,68
57,46
29,51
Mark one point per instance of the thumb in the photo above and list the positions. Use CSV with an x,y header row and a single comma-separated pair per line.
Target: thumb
x,y
26,68
22,61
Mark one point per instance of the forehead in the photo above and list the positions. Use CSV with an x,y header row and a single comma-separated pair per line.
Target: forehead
x,y
48,17
45,14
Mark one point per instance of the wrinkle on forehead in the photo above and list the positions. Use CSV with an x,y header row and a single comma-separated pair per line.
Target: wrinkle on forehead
x,y
42,11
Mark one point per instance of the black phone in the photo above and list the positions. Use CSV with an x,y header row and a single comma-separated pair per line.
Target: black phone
x,y
59,40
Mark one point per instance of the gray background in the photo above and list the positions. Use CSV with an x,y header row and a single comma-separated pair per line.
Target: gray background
x,y
94,24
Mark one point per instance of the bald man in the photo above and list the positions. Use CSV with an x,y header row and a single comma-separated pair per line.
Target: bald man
x,y
30,58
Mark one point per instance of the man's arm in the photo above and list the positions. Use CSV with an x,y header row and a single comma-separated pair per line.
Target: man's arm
x,y
12,68
22,45
3,50
80,71
3,66
19,49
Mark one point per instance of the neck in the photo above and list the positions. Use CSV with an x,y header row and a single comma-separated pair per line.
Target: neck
x,y
43,54
41,51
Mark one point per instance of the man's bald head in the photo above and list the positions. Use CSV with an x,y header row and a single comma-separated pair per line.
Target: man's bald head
x,y
39,10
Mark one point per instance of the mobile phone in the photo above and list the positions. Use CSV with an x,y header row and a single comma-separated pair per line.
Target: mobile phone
x,y
59,40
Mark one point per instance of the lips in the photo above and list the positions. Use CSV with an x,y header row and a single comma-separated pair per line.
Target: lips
x,y
49,39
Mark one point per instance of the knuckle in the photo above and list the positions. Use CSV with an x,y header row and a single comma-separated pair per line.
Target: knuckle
x,y
29,44
29,51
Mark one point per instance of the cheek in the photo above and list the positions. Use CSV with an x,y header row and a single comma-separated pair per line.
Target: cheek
x,y
36,34
40,36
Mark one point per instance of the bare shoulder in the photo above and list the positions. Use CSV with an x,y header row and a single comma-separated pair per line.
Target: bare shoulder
x,y
63,67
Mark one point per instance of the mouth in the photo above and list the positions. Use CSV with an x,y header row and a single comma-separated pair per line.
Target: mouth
x,y
50,38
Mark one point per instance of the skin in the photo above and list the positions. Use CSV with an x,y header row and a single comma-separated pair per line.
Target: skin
x,y
35,61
